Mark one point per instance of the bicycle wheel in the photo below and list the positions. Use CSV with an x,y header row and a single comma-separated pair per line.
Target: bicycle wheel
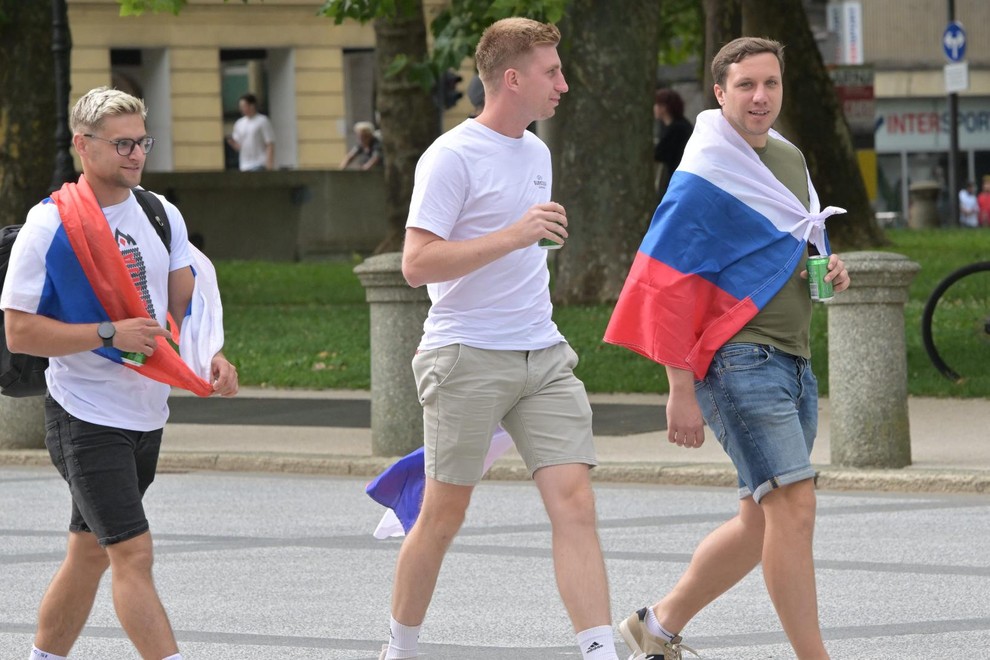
x,y
955,324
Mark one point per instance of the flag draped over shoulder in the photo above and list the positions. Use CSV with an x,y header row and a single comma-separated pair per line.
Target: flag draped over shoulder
x,y
106,284
722,243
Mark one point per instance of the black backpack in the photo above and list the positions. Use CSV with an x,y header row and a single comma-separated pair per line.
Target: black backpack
x,y
24,375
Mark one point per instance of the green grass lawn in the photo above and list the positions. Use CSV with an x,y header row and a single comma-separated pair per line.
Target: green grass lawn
x,y
306,325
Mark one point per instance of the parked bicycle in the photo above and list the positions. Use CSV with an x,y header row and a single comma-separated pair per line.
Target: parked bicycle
x,y
955,325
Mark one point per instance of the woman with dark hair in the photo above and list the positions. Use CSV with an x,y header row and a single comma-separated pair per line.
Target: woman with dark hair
x,y
668,108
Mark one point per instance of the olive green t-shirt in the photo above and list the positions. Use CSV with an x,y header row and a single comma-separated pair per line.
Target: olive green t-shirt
x,y
785,321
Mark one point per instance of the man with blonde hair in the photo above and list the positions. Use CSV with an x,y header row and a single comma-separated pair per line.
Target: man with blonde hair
x,y
490,352
89,285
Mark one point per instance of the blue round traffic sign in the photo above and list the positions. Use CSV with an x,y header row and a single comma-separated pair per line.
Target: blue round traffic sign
x,y
954,41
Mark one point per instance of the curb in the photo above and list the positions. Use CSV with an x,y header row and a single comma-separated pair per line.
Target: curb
x,y
911,480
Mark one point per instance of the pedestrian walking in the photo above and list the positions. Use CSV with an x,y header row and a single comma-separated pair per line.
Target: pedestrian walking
x,y
490,351
717,294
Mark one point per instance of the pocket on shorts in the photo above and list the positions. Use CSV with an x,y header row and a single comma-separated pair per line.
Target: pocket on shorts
x,y
433,367
740,357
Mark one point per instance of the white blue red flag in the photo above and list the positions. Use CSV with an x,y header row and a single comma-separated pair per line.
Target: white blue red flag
x,y
400,487
723,241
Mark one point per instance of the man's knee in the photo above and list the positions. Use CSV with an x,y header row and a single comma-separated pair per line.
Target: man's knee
x,y
567,494
793,505
135,554
86,554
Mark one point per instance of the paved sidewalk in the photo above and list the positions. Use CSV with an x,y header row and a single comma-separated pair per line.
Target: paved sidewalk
x,y
327,432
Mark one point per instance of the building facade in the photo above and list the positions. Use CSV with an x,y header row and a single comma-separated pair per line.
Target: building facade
x,y
313,78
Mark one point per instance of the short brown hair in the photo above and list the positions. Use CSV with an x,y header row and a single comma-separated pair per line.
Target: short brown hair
x,y
505,40
739,49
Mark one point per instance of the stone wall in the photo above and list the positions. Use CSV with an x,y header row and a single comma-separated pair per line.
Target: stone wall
x,y
285,215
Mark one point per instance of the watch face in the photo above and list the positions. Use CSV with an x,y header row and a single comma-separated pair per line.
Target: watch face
x,y
106,330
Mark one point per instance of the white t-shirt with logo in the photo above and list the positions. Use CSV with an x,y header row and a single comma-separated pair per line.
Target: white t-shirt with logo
x,y
471,182
87,385
254,134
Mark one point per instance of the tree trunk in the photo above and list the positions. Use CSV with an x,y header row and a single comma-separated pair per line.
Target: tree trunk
x,y
723,23
408,118
812,118
603,160
27,106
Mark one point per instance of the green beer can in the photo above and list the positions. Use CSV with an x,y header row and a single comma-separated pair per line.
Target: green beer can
x,y
817,267
133,359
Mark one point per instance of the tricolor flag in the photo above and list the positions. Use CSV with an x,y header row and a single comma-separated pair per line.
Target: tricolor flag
x,y
85,266
400,487
723,241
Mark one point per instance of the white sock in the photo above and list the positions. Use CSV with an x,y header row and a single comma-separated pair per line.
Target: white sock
x,y
597,644
403,641
177,656
38,654
654,627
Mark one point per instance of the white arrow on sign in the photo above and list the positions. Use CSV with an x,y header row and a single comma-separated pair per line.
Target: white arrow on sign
x,y
954,41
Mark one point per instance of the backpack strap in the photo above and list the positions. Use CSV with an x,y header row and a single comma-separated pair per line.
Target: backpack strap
x,y
155,210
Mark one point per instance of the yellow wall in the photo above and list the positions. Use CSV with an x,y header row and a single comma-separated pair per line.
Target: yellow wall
x,y
193,40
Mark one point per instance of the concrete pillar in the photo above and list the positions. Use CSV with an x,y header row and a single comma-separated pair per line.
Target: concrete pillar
x,y
22,422
867,361
397,315
923,213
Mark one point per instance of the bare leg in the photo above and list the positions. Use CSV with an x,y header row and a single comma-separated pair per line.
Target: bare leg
x,y
721,560
69,599
788,566
134,598
577,553
422,553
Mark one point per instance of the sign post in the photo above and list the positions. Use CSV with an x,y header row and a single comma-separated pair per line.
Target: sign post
x,y
956,80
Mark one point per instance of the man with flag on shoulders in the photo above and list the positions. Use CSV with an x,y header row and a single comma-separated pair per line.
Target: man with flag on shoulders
x,y
89,281
717,294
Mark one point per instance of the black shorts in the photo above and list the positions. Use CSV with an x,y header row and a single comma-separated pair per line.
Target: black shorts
x,y
107,469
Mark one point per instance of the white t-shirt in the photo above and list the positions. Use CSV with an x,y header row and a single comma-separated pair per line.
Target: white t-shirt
x,y
87,385
969,209
471,182
254,134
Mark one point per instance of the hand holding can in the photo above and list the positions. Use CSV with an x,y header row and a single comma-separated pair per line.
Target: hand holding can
x,y
817,267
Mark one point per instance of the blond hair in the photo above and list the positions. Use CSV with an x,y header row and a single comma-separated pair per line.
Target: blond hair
x,y
95,105
505,40
739,49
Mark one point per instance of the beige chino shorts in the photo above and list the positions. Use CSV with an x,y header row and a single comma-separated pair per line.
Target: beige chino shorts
x,y
466,392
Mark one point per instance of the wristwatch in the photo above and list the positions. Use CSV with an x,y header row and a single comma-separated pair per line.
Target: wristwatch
x,y
106,331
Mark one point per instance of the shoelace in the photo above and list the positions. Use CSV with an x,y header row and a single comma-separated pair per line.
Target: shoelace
x,y
676,648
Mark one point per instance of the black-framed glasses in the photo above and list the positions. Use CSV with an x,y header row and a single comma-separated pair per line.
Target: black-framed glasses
x,y
125,146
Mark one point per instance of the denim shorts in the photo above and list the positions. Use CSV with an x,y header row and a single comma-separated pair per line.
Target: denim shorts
x,y
107,469
762,405
467,392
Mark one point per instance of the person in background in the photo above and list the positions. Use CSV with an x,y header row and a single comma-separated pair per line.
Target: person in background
x,y
367,153
253,137
668,109
983,201
969,208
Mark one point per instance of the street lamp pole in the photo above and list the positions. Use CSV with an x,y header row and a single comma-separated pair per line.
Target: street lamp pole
x,y
61,47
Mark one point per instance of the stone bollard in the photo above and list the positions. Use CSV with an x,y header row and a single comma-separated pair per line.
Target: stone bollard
x,y
923,212
397,315
867,357
22,422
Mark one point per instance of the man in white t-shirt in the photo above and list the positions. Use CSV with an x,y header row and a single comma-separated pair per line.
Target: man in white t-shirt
x,y
490,351
104,420
253,137
969,207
